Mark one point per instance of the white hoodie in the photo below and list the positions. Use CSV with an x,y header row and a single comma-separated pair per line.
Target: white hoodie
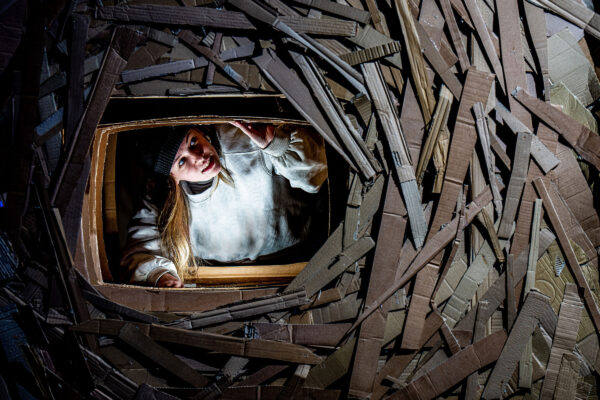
x,y
262,213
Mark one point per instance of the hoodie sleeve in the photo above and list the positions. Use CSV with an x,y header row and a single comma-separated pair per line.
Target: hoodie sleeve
x,y
142,256
298,154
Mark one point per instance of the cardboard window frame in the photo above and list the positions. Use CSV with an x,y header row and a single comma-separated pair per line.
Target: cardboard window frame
x,y
94,262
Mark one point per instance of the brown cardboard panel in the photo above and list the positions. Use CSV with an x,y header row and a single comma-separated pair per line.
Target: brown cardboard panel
x,y
496,294
568,377
558,218
513,62
431,249
567,64
306,335
208,341
486,40
177,16
122,45
383,272
511,353
155,299
583,140
564,339
476,89
338,9
458,367
133,336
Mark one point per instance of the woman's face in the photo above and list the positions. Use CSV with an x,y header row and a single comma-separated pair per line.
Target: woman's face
x,y
196,159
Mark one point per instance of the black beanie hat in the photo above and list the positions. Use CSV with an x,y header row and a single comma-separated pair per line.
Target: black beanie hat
x,y
159,147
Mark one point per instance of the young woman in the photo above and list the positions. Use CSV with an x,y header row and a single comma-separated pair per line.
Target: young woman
x,y
236,193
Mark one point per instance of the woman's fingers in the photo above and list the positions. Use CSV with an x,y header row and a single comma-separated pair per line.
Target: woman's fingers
x,y
262,134
169,280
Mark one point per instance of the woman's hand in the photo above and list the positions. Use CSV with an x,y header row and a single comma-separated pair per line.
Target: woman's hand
x,y
261,134
168,280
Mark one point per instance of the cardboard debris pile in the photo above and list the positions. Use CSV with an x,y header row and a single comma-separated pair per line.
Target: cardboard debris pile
x,y
466,265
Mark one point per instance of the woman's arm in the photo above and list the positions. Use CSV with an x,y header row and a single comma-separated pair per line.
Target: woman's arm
x,y
142,256
297,153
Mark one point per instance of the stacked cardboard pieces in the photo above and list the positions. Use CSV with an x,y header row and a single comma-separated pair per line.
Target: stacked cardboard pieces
x,y
469,130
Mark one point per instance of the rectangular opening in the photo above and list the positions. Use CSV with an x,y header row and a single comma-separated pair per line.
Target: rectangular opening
x,y
107,211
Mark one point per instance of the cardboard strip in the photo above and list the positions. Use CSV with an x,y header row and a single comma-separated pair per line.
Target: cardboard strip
x,y
432,247
333,368
321,259
500,152
245,309
477,88
334,8
536,25
573,12
175,16
305,335
472,386
415,58
455,34
398,363
371,53
107,305
122,45
484,138
471,280
326,27
369,37
437,124
250,348
518,176
565,336
397,143
456,368
339,264
263,375
216,48
75,103
583,140
551,207
256,11
342,310
383,270
567,378
268,392
511,47
496,293
484,35
293,387
573,187
511,300
299,96
412,123
175,67
542,155
132,335
525,365
329,103
527,320
437,62
194,42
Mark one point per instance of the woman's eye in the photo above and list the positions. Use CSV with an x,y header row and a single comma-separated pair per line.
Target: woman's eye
x,y
193,141
181,162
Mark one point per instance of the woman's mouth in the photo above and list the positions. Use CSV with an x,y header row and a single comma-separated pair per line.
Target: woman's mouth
x,y
211,163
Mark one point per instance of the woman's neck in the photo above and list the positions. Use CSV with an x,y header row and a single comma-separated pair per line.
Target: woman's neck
x,y
199,187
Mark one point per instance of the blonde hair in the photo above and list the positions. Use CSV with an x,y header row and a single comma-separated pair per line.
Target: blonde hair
x,y
174,223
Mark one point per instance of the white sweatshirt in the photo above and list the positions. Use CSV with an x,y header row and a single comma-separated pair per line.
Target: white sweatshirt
x,y
261,214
